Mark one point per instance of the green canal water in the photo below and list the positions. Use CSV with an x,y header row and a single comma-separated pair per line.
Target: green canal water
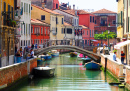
x,y
70,75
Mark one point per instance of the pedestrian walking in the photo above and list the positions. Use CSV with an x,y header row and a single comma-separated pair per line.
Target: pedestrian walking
x,y
32,46
18,56
122,57
31,53
114,56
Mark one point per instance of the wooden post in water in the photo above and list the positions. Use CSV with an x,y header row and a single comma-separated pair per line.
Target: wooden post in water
x,y
105,64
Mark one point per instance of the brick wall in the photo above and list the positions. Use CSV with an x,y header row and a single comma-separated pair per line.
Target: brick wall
x,y
127,78
114,67
12,73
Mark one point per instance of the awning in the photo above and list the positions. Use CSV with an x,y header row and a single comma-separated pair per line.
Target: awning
x,y
121,44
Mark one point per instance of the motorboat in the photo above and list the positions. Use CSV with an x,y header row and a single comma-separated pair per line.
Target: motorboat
x,y
92,66
44,72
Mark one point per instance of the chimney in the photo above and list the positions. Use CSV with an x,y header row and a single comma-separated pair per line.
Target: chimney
x,y
74,7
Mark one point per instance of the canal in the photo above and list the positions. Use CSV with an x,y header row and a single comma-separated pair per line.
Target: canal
x,y
70,75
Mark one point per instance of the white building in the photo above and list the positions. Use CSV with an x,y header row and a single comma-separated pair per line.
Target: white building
x,y
24,23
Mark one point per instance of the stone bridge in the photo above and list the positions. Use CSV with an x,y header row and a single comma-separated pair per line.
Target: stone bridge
x,y
92,55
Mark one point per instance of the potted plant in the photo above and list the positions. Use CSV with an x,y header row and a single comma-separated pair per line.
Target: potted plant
x,y
13,23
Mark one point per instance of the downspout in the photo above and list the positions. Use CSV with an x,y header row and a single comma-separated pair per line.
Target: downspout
x,y
1,35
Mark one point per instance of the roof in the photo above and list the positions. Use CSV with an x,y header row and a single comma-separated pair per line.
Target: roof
x,y
83,26
72,12
104,11
67,24
35,21
45,9
83,12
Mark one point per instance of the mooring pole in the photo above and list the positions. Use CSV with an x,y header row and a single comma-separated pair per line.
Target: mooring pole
x,y
105,64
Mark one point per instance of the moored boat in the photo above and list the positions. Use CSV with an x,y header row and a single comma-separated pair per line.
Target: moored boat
x,y
54,53
44,71
92,66
73,54
48,57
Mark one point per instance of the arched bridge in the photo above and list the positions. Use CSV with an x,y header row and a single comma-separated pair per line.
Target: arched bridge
x,y
92,55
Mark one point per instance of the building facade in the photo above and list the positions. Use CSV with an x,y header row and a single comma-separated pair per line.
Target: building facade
x,y
87,19
25,24
70,17
105,20
40,32
7,28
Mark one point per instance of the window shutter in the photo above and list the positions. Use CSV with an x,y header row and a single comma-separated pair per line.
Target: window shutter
x,y
121,18
128,24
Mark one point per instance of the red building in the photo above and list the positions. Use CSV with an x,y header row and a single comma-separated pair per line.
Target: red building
x,y
55,4
40,32
105,20
87,20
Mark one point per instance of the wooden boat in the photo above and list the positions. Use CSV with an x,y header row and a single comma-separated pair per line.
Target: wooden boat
x,y
73,54
54,53
48,57
44,71
92,66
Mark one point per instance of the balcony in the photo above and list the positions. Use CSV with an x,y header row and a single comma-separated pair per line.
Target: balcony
x,y
103,24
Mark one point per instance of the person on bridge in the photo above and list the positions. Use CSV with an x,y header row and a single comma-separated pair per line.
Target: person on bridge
x,y
32,53
114,56
122,57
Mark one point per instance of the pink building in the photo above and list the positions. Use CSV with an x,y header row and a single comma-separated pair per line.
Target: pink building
x,y
87,20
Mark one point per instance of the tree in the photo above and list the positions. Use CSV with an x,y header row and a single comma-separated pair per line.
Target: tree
x,y
105,35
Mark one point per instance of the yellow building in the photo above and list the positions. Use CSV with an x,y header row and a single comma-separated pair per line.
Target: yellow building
x,y
120,20
7,32
55,20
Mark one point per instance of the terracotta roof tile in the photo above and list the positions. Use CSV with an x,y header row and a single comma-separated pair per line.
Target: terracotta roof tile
x,y
72,12
35,21
103,11
83,26
67,24
47,10
83,12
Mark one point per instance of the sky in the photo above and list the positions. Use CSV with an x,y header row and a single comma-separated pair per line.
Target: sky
x,y
92,4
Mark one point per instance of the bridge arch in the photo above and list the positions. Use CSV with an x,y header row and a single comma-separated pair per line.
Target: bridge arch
x,y
92,55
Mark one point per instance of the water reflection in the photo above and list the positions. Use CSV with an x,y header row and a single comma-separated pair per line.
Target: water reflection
x,y
70,76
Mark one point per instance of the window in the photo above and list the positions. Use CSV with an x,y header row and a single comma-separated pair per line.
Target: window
x,y
62,30
75,21
24,28
90,18
12,14
95,22
21,43
62,21
24,7
21,28
29,8
69,31
87,32
35,30
93,19
56,6
24,42
42,17
41,30
31,29
86,42
103,21
31,41
4,18
114,22
48,31
41,41
56,20
90,33
45,31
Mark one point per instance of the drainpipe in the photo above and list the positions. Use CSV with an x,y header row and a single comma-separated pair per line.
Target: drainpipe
x,y
1,35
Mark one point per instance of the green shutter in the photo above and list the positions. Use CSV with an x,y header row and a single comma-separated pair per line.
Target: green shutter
x,y
128,24
121,17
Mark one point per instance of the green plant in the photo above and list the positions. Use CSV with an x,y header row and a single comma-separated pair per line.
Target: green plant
x,y
13,22
114,50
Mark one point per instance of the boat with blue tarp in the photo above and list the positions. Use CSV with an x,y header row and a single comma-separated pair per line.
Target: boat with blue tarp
x,y
92,66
